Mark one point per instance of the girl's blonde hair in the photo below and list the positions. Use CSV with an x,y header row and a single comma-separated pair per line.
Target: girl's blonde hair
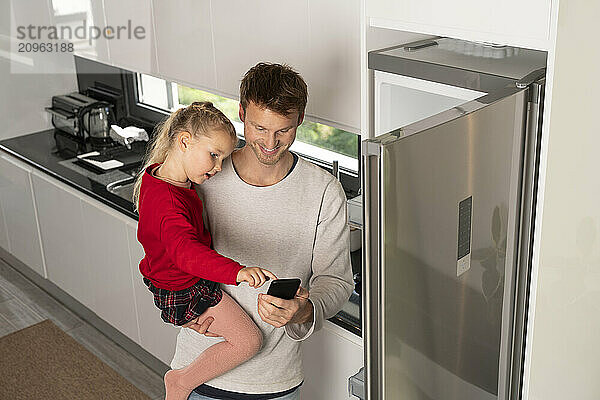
x,y
199,118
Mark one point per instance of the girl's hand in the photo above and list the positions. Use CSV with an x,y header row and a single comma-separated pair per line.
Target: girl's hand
x,y
255,276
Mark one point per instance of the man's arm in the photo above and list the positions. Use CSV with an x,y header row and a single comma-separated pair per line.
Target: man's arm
x,y
331,283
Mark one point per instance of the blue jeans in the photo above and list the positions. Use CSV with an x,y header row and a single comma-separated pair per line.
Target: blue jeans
x,y
295,395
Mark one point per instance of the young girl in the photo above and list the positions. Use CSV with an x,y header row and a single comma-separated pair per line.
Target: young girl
x,y
179,266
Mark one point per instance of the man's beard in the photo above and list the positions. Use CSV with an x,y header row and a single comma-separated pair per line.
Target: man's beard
x,y
268,160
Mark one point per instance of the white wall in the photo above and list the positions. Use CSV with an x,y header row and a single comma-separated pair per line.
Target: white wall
x,y
23,96
565,345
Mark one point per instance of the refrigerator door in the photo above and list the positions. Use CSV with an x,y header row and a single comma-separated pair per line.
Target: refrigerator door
x,y
442,208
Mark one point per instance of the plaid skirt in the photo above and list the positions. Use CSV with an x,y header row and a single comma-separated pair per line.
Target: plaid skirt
x,y
181,306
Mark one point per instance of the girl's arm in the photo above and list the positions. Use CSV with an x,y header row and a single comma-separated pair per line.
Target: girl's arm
x,y
192,256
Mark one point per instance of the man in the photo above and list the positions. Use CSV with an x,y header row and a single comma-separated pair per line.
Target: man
x,y
270,208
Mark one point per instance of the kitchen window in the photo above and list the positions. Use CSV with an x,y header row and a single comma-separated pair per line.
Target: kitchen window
x,y
318,142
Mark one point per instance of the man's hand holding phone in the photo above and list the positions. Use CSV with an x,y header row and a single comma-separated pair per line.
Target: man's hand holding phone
x,y
273,310
279,312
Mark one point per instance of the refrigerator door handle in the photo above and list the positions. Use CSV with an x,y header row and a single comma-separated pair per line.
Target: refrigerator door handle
x,y
527,218
371,273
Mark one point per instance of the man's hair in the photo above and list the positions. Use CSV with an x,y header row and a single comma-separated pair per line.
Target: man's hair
x,y
276,87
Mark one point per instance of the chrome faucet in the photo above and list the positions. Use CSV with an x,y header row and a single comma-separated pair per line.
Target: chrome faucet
x,y
335,170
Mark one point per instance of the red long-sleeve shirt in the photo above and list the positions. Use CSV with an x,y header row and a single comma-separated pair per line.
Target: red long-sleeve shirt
x,y
177,246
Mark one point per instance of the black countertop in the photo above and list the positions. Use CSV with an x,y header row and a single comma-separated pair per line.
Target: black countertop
x,y
40,151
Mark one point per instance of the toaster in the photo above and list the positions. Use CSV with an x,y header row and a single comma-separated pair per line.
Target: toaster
x,y
69,113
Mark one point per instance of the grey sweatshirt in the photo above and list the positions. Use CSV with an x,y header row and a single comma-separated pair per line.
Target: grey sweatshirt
x,y
294,228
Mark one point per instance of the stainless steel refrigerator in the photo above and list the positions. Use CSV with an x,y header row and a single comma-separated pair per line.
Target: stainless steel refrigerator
x,y
448,223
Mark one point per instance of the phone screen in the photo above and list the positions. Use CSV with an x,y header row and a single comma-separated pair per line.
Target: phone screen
x,y
284,288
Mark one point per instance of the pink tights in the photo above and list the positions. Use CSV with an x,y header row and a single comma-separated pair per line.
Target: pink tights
x,y
243,340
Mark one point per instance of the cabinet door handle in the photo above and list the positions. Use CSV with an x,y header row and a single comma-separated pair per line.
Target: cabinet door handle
x,y
420,46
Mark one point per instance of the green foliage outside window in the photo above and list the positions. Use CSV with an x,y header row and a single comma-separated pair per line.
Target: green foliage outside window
x,y
227,106
328,137
323,136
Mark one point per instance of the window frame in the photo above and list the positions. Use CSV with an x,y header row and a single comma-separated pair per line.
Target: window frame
x,y
136,108
151,115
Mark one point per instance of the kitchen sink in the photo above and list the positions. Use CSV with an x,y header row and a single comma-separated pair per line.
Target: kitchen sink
x,y
122,188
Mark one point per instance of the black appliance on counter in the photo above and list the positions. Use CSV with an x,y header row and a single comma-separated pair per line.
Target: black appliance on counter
x,y
82,117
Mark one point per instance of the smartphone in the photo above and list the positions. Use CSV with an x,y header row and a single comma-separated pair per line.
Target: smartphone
x,y
284,288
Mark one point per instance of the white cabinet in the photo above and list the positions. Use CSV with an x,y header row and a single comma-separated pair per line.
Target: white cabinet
x,y
332,69
87,252
321,40
3,232
29,79
107,252
30,14
203,44
248,32
19,212
135,48
90,251
330,356
61,229
510,22
72,15
155,336
184,42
